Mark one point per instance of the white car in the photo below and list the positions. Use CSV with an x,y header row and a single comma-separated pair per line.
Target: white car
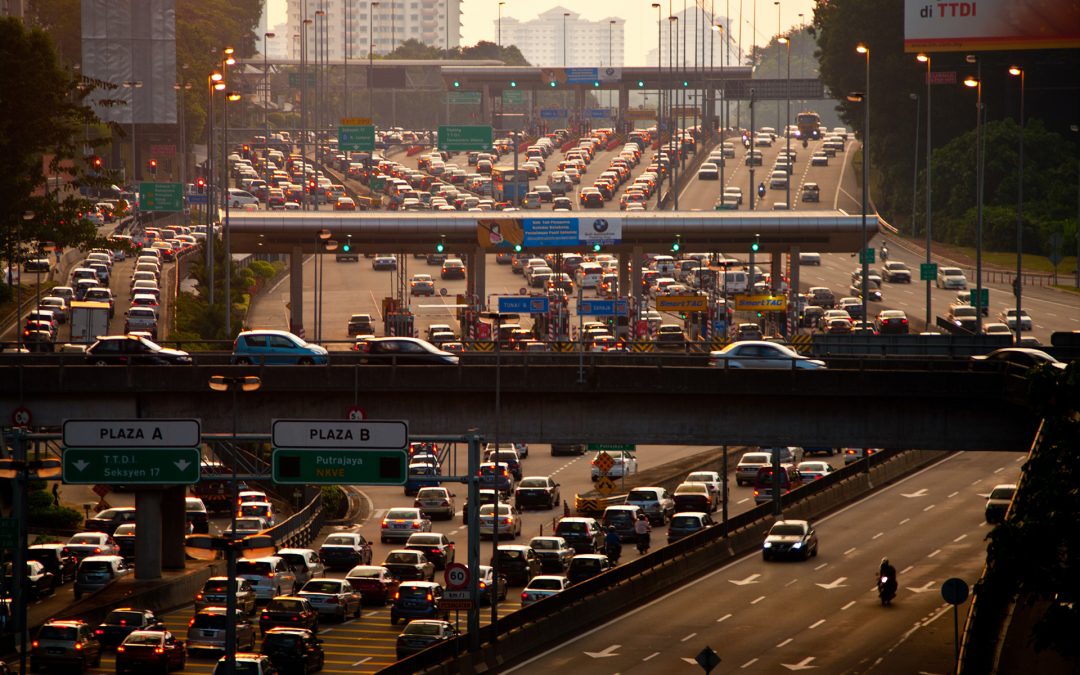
x,y
625,464
239,198
269,577
951,277
304,562
819,158
711,479
543,586
708,171
1008,316
759,354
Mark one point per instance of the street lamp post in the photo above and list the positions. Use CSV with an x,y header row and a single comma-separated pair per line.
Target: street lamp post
x,y
225,234
864,254
915,164
346,47
133,85
1017,71
673,53
925,58
304,199
214,82
182,169
266,96
786,41
244,383
320,83
778,30
976,83
659,92
498,36
371,62
565,14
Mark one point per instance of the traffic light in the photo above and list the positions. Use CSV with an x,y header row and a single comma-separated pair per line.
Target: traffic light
x,y
756,243
552,84
641,84
596,247
677,244
596,84
97,163
347,246
685,83
513,84
517,248
441,246
153,167
200,185
457,84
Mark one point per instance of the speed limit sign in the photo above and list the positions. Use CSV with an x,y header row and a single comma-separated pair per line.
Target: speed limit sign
x,y
21,417
356,413
456,576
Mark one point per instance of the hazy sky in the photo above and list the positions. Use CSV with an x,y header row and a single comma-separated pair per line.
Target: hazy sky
x,y
479,16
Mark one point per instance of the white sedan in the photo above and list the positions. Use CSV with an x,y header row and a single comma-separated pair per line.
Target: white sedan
x,y
543,586
760,354
708,171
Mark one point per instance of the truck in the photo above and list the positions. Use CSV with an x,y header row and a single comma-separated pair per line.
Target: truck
x,y
88,321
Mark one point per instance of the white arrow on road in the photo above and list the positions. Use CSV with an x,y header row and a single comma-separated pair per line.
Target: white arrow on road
x,y
80,464
801,665
919,493
182,464
610,651
929,585
837,583
752,579
689,660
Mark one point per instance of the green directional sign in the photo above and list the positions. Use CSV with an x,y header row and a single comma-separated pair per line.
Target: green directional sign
x,y
463,97
161,197
457,138
928,272
131,466
338,467
607,447
513,96
980,297
868,254
356,138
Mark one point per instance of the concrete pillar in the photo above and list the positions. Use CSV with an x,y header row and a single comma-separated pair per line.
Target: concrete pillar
x,y
624,273
579,104
487,107
148,529
173,527
636,255
793,297
776,269
624,104
479,274
296,291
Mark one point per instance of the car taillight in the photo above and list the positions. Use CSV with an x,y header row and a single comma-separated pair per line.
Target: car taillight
x,y
118,649
271,575
34,644
159,650
99,631
199,596
385,525
397,594
756,492
416,523
506,521
79,646
524,596
191,622
97,550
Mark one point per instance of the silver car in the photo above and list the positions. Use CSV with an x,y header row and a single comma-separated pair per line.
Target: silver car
x,y
269,577
759,354
215,593
335,597
304,562
207,630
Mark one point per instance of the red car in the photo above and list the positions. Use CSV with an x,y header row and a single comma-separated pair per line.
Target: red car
x,y
150,649
376,584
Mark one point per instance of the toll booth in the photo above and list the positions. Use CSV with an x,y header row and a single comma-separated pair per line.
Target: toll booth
x,y
398,320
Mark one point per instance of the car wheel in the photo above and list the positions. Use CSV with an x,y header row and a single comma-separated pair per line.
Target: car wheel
x,y
243,361
765,556
305,361
815,550
356,614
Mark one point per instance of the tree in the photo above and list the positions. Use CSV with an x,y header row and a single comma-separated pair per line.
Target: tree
x,y
40,122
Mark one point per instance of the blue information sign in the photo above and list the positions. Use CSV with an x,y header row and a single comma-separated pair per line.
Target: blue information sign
x,y
598,113
197,199
594,307
524,304
540,232
554,113
582,75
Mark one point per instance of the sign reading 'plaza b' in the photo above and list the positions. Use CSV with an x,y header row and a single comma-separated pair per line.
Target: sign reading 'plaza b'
x,y
339,452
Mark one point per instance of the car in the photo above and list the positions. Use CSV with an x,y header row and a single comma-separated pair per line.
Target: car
x,y
625,464
505,456
852,455
765,485
215,592
996,329
360,324
1008,317
951,277
124,536
812,470
403,351
997,502
655,502
436,547
963,316
709,171
421,284
38,581
247,664
820,158
270,576
538,491
760,354
553,553
507,521
685,523
895,272
791,538
747,468
344,550
810,193
156,650
334,597
293,650
120,622
56,559
133,350
587,565
584,535
66,644
892,322
518,564
375,583
778,180
291,611
435,501
264,510
543,586
497,477
1022,357
400,523
417,600
694,497
384,262
452,268
275,347
243,527
84,544
420,634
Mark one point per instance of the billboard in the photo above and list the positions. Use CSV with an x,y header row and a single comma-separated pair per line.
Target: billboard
x,y
541,232
952,26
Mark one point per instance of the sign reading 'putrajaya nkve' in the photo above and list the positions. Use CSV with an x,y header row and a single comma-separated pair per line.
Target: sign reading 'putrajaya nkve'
x,y
339,452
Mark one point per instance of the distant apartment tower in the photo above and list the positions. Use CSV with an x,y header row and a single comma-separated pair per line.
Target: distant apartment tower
x,y
347,24
588,44
708,45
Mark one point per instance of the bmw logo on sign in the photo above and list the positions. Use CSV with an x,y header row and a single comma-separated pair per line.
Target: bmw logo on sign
x,y
600,225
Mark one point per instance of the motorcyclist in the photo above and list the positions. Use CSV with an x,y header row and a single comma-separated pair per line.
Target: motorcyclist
x,y
884,251
761,189
642,529
613,545
887,581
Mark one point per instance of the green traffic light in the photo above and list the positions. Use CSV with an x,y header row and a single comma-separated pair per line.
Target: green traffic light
x,y
345,248
517,248
640,84
439,247
456,84
552,83
685,83
596,84
596,248
513,84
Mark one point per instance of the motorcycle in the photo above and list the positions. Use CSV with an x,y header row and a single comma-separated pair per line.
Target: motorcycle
x,y
884,253
886,589
613,553
643,543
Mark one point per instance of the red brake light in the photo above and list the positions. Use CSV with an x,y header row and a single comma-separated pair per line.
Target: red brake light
x,y
99,631
159,650
429,598
191,622
524,596
79,645
34,644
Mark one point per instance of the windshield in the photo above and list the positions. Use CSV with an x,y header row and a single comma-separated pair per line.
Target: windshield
x,y
284,606
94,566
322,587
338,540
402,514
123,618
787,530
685,522
143,639
533,483
84,539
545,585
1002,493
57,633
755,458
253,567
488,509
641,496
420,628
544,544
401,557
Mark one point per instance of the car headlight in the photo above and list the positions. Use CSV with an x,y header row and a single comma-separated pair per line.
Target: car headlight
x,y
797,544
768,544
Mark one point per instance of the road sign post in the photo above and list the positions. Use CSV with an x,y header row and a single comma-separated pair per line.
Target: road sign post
x,y
358,138
339,452
928,272
456,575
868,254
131,466
456,138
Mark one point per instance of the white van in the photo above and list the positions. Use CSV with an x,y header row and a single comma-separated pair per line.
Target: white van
x,y
589,274
664,264
735,281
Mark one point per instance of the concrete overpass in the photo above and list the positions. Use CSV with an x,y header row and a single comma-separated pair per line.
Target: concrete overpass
x,y
779,232
933,407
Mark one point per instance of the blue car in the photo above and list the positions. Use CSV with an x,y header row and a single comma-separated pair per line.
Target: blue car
x,y
275,347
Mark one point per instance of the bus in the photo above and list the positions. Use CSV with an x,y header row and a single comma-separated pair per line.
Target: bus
x,y
809,124
508,185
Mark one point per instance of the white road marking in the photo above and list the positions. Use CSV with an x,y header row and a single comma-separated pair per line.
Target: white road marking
x,y
787,641
378,514
688,637
726,616
959,538
847,605
362,661
879,534
999,469
790,582
749,663
935,552
905,520
651,656
821,566
952,495
757,600
928,508
907,569
849,551
816,624
742,501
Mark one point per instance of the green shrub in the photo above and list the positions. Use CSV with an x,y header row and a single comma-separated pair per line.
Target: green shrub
x,y
55,518
334,502
263,270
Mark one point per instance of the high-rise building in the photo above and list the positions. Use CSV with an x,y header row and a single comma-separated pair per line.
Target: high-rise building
x,y
708,44
388,22
588,44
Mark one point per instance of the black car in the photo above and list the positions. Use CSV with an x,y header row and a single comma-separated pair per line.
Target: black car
x,y
55,559
518,564
39,581
435,546
196,515
587,565
119,623
538,491
133,350
421,634
293,650
124,536
288,611
108,520
403,350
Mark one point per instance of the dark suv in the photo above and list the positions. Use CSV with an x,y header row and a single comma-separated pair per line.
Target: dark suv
x,y
567,449
518,564
293,650
583,534
55,559
108,520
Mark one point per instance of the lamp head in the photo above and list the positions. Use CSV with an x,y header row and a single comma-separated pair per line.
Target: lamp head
x,y
862,49
970,81
1015,70
922,58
